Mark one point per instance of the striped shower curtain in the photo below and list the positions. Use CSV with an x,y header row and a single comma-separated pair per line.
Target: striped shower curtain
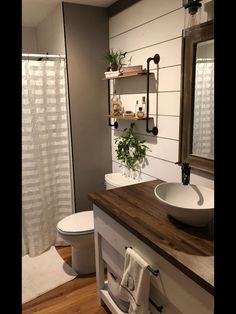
x,y
203,130
47,189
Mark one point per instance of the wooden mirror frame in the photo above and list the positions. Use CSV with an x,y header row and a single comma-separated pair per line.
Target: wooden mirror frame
x,y
195,35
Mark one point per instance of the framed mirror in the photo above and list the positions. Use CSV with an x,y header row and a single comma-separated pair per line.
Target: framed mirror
x,y
197,98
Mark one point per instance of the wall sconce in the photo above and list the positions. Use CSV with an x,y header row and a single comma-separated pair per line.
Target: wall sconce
x,y
192,15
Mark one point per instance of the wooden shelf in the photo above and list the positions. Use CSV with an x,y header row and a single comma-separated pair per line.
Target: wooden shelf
x,y
136,73
127,118
128,74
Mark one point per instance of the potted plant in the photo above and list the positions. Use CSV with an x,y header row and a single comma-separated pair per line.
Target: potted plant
x,y
114,58
130,150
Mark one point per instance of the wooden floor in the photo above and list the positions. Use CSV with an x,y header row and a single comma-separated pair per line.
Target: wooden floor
x,y
77,296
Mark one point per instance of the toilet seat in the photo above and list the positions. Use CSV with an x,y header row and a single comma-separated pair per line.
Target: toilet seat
x,y
77,224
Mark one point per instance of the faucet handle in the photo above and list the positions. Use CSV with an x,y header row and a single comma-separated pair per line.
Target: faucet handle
x,y
183,164
178,163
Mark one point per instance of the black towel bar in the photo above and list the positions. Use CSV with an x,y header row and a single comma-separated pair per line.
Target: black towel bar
x,y
154,272
158,307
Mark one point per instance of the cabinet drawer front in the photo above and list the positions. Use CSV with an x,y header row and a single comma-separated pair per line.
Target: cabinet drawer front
x,y
171,288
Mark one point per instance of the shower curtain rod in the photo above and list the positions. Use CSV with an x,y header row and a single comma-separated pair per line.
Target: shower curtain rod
x,y
42,55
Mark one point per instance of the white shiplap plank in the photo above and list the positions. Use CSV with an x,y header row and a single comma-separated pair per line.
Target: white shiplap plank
x,y
140,13
163,170
136,84
168,127
158,147
144,177
151,33
194,179
160,80
165,50
169,103
164,149
169,79
129,101
199,180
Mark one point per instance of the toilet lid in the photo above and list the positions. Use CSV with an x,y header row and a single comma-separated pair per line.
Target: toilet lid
x,y
79,222
118,180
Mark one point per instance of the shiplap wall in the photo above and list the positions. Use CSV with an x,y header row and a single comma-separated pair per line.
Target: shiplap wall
x,y
144,29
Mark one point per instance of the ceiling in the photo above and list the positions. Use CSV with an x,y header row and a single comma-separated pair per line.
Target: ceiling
x,y
34,11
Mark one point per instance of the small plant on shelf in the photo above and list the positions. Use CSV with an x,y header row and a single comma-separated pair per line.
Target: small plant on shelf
x,y
114,59
130,150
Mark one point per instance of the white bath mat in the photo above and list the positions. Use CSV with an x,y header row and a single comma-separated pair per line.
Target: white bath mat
x,y
43,273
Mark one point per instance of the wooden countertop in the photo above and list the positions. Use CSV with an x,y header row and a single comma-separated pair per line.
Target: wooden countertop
x,y
136,208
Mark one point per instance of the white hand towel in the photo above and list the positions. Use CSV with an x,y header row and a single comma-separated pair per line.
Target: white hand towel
x,y
135,283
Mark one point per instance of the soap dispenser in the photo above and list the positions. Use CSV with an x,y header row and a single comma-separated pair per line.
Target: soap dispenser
x,y
144,104
140,112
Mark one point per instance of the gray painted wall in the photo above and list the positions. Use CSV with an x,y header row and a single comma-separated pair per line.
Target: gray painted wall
x,y
48,36
29,40
86,36
50,33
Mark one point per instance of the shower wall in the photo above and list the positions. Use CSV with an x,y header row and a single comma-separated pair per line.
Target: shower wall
x,y
47,36
50,33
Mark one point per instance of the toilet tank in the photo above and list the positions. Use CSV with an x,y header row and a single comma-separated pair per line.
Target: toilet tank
x,y
116,180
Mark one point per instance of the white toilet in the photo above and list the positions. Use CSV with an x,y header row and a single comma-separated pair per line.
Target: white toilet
x,y
78,229
116,180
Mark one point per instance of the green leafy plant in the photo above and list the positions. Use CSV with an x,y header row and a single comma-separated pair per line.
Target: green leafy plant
x,y
114,58
130,150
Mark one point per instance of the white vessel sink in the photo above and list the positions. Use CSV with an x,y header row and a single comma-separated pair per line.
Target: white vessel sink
x,y
190,204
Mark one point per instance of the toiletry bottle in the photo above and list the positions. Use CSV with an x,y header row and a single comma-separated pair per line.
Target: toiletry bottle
x,y
140,113
136,109
144,104
116,107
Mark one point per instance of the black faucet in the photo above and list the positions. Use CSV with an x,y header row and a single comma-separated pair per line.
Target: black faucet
x,y
185,172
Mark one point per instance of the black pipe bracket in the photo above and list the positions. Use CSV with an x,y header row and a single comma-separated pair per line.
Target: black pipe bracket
x,y
156,60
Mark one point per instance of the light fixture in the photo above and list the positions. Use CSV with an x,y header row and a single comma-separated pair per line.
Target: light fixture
x,y
192,15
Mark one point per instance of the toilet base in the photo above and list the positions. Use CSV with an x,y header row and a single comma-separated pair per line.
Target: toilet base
x,y
83,262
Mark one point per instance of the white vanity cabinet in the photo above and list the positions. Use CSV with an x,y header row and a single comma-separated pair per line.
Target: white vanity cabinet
x,y
171,289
